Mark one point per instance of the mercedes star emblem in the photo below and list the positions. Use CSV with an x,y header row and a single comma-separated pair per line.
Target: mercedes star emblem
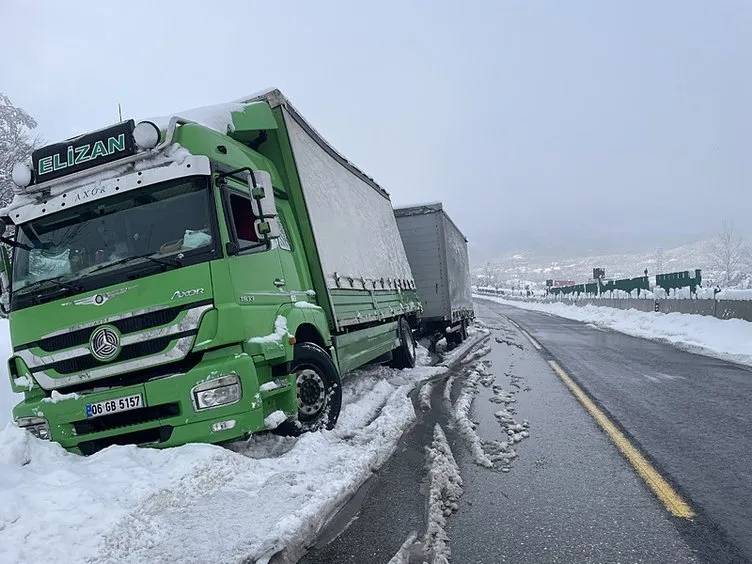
x,y
104,343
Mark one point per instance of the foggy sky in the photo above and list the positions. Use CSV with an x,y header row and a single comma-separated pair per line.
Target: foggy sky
x,y
553,126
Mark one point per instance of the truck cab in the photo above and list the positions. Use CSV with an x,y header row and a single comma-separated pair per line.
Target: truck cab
x,y
165,287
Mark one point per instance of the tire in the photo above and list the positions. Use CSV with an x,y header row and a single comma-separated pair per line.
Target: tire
x,y
453,339
463,331
319,391
404,356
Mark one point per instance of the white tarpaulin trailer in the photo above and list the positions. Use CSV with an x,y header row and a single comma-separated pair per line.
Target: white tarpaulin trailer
x,y
362,258
437,252
352,217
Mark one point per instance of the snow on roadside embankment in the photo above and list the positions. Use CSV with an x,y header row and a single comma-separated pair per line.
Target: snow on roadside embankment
x,y
7,398
198,503
727,339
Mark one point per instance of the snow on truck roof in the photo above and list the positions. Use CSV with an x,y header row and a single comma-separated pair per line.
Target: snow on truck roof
x,y
424,209
275,98
219,118
419,209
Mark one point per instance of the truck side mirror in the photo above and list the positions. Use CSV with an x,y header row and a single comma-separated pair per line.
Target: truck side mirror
x,y
264,207
4,281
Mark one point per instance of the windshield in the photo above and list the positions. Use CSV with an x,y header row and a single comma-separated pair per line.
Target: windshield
x,y
160,224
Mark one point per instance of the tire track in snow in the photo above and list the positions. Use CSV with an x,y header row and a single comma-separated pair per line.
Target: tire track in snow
x,y
444,495
444,492
460,412
489,453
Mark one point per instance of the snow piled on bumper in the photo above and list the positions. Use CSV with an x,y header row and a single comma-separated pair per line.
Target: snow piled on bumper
x,y
198,503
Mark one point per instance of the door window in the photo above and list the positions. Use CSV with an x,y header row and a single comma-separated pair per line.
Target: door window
x,y
243,221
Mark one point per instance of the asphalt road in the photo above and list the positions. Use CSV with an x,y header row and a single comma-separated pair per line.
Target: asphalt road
x,y
690,414
569,495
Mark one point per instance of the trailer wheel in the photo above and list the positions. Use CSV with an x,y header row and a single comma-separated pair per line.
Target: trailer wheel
x,y
463,331
404,356
453,338
319,391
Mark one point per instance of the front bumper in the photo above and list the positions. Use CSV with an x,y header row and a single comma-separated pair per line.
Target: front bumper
x,y
168,417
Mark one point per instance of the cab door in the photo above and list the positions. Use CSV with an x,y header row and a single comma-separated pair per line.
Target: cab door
x,y
254,265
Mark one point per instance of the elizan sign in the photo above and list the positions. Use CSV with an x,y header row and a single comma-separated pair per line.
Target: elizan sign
x,y
85,151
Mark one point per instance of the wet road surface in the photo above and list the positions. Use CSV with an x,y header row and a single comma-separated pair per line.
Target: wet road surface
x,y
568,495
690,414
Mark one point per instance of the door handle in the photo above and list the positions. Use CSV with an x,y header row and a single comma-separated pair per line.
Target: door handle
x,y
279,282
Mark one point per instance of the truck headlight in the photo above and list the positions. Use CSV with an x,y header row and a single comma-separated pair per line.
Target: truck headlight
x,y
214,393
37,426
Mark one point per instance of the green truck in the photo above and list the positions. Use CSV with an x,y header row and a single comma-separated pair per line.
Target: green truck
x,y
198,279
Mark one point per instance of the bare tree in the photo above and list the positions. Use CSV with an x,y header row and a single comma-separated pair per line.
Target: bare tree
x,y
16,143
728,253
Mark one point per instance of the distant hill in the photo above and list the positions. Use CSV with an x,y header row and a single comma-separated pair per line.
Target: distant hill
x,y
522,268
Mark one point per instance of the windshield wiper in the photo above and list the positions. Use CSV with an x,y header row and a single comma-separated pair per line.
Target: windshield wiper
x,y
167,261
56,281
164,261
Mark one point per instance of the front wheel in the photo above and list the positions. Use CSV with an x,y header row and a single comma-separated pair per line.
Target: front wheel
x,y
319,391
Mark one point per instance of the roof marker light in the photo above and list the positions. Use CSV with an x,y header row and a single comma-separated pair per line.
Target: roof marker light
x,y
146,135
21,174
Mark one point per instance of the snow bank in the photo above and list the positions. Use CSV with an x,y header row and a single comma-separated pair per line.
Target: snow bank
x,y
727,339
732,294
56,506
197,503
7,398
704,293
707,293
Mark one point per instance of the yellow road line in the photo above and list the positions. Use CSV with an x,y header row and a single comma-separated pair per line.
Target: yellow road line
x,y
530,338
660,487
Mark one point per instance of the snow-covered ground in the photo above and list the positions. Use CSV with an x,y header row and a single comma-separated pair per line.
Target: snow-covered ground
x,y
198,503
7,398
728,339
704,293
527,267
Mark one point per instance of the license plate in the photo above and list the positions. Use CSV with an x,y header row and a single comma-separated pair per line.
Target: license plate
x,y
107,407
